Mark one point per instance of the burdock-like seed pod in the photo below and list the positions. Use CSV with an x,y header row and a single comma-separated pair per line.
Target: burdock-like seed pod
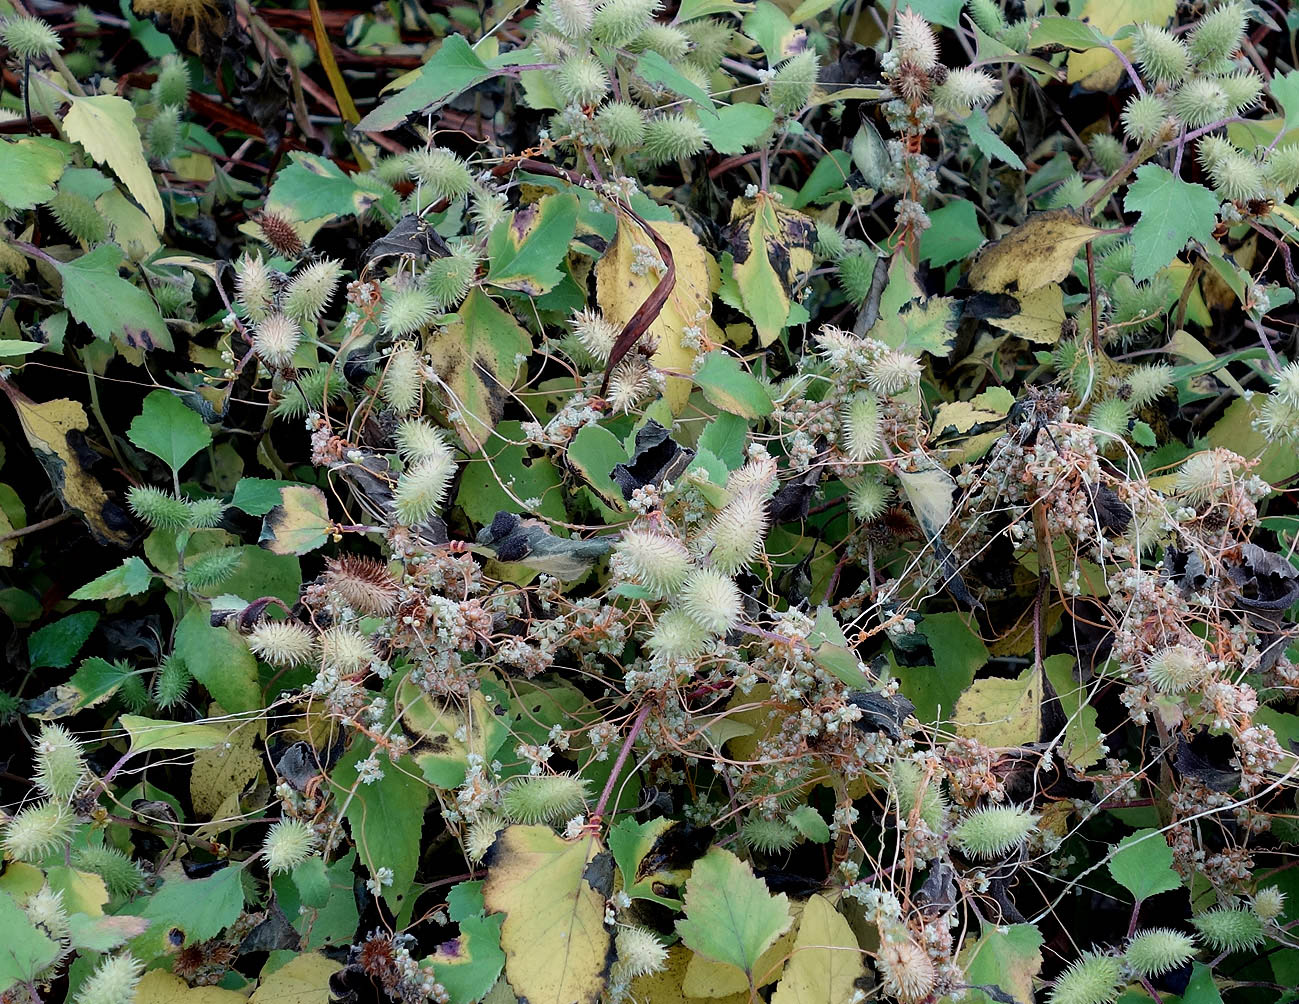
x,y
280,233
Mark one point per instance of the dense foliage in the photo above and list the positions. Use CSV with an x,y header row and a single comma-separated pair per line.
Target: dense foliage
x,y
624,501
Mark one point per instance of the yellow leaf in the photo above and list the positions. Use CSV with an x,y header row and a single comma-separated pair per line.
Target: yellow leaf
x,y
105,126
826,961
225,769
668,985
131,228
706,978
1035,253
961,416
83,892
772,246
301,980
1109,16
161,987
1001,712
52,428
1040,318
552,892
620,292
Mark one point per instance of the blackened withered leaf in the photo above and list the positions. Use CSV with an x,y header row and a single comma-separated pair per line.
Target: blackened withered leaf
x,y
881,712
657,458
411,236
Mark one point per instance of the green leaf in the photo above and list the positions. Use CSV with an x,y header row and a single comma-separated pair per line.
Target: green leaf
x,y
727,386
775,34
725,437
107,304
1083,744
1008,958
595,452
466,900
105,126
630,842
300,523
469,965
12,347
552,892
153,734
1143,864
130,578
312,187
923,326
1202,988
25,950
1285,88
386,816
657,70
57,644
829,176
731,915
953,233
311,878
989,143
809,823
478,357
734,128
1172,212
1069,32
218,660
96,680
958,650
258,496
29,167
525,250
772,247
455,67
524,470
170,431
202,908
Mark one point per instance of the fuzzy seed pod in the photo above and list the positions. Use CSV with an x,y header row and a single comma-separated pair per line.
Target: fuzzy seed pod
x,y
1107,151
44,910
1236,176
965,89
908,781
1162,57
213,568
581,80
288,843
1204,475
78,217
281,234
860,420
161,510
1158,951
672,137
282,643
1069,195
481,835
122,876
1242,90
856,272
37,831
1093,979
660,563
418,440
164,133
315,388
907,970
630,383
988,16
618,22
402,379
309,292
440,172
758,475
667,40
1200,102
549,798
1176,669
1016,35
1217,36
893,371
346,650
1145,117
1281,170
1148,383
422,488
737,532
1111,417
276,339
1268,903
710,40
596,334
1286,383
29,37
830,243
712,600
914,41
114,981
254,287
364,584
622,125
1226,929
790,88
171,684
768,836
869,499
570,18
640,952
993,830
406,310
676,636
449,279
173,83
60,764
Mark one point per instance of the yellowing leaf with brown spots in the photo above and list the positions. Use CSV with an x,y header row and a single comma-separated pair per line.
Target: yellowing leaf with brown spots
x,y
620,292
1001,712
772,246
226,769
552,892
669,985
161,987
825,963
301,980
1040,318
55,429
1035,253
300,523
